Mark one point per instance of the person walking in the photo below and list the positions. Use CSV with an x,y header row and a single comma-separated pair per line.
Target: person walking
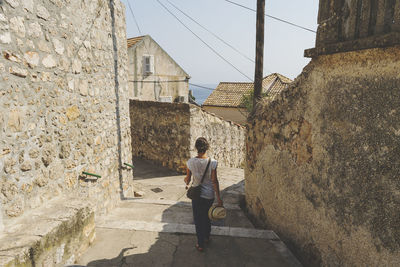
x,y
199,166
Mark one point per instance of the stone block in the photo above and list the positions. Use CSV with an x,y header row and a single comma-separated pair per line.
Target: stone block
x,y
72,113
28,5
11,56
58,46
18,71
76,66
17,25
13,3
49,61
48,155
83,87
41,12
59,233
26,166
32,58
5,38
15,119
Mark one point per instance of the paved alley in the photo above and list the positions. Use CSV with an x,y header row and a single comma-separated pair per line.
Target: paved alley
x,y
158,230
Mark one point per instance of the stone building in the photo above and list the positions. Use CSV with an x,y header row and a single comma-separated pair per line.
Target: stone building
x,y
226,100
64,111
153,74
323,157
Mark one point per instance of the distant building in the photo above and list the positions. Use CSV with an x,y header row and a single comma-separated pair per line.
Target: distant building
x,y
226,100
153,74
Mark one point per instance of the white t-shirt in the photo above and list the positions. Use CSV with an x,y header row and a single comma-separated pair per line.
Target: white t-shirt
x,y
197,166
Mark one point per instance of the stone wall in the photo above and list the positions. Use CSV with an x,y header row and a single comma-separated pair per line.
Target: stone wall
x,y
226,138
166,132
160,132
63,109
323,161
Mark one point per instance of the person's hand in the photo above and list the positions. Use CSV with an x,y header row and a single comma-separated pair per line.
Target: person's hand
x,y
186,180
220,203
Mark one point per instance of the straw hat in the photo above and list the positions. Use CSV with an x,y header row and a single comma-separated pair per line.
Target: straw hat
x,y
216,213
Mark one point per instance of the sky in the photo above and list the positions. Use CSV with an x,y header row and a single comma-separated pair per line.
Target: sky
x,y
284,44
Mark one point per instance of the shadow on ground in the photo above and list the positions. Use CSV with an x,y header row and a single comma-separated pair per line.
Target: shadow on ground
x,y
144,248
148,169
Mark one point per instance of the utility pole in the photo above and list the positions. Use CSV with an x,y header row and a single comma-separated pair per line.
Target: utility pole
x,y
258,73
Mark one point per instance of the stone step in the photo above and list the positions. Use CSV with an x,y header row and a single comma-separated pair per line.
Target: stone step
x,y
167,202
56,233
163,212
182,228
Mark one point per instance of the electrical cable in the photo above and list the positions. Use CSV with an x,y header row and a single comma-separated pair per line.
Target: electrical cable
x,y
212,49
134,18
272,17
200,86
216,36
140,32
160,81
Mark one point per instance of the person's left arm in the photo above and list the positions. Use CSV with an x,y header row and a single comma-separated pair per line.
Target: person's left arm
x,y
188,177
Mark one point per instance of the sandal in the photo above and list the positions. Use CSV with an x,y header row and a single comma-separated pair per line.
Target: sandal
x,y
200,249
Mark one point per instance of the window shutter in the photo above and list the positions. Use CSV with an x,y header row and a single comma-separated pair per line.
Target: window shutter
x,y
151,64
144,65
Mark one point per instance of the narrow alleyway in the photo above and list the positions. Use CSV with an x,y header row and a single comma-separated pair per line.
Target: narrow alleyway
x,y
158,230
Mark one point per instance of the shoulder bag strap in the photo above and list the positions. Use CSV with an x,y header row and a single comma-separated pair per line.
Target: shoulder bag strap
x,y
204,174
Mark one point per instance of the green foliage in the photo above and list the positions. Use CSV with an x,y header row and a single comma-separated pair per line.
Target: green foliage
x,y
247,100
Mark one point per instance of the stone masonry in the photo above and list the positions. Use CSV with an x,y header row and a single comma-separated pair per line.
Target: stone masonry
x,y
166,133
323,158
59,100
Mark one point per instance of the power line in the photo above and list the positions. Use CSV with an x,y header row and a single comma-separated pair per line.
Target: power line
x,y
159,81
140,32
216,36
134,18
272,17
212,49
208,88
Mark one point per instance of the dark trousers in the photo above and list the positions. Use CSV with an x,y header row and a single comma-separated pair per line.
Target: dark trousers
x,y
202,222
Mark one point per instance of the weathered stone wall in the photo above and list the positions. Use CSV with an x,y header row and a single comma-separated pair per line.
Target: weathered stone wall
x,y
323,161
166,133
160,132
226,138
59,100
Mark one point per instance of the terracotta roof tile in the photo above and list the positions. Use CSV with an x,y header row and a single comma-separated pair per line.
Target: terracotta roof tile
x,y
230,94
134,40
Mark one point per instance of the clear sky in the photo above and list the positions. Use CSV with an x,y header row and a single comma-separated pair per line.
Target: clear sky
x,y
284,44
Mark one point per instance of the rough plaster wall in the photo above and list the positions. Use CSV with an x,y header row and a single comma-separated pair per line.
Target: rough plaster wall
x,y
166,133
165,69
323,161
226,138
58,101
229,114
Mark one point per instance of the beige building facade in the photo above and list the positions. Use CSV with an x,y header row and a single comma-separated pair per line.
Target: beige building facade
x,y
153,74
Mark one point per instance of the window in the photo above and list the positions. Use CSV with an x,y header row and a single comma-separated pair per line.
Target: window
x,y
148,64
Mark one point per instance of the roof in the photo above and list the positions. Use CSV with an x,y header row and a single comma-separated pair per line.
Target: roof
x,y
230,94
134,40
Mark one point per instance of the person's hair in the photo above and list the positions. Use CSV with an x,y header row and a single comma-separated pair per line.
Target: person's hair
x,y
202,145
